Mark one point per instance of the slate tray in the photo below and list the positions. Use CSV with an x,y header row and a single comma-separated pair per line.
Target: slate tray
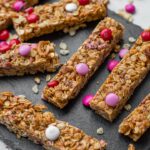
x,y
75,113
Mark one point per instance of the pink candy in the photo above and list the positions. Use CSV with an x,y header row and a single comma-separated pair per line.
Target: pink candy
x,y
123,52
24,50
112,99
130,8
86,99
82,68
18,5
112,64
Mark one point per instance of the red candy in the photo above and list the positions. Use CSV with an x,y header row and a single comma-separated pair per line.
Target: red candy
x,y
4,47
29,10
145,35
106,34
4,35
84,2
14,41
32,18
52,83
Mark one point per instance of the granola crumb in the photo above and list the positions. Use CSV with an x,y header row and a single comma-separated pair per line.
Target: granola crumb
x,y
37,80
35,89
72,32
126,46
131,147
113,55
124,14
63,46
127,107
22,96
48,77
64,52
100,131
97,82
132,39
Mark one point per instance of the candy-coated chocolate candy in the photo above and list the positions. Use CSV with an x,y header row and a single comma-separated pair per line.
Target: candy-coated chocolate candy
x,y
112,99
123,52
52,83
29,10
14,42
4,47
82,68
86,99
24,49
71,7
52,133
145,36
18,5
4,35
84,2
112,64
32,18
106,34
130,8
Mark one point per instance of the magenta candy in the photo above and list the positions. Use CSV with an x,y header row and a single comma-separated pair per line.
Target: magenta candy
x,y
33,45
18,5
82,68
86,100
112,64
123,52
24,50
130,8
112,99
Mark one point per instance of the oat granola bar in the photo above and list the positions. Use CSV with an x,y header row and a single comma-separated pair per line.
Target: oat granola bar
x,y
92,53
123,80
131,147
27,120
57,16
40,57
138,122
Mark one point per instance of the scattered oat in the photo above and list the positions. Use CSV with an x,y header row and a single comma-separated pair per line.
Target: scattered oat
x,y
131,147
22,96
63,45
48,77
100,131
72,32
35,89
113,55
97,82
64,52
127,107
37,80
132,39
124,14
126,46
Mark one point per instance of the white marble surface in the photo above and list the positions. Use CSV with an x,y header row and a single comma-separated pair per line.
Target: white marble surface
x,y
142,15
141,18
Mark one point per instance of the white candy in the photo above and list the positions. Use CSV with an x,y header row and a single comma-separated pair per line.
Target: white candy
x,y
71,7
52,133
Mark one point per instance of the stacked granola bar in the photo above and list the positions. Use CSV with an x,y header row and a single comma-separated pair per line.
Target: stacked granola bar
x,y
26,58
27,120
138,122
122,81
91,54
48,18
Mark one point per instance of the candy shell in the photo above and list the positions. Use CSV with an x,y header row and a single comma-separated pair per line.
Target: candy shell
x,y
24,50
86,99
71,7
112,99
123,52
112,64
82,68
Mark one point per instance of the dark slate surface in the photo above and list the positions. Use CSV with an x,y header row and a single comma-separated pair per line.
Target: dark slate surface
x,y
75,113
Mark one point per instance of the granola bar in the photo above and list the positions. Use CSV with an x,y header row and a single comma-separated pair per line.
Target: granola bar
x,y
38,58
91,54
131,147
138,122
27,120
122,81
48,18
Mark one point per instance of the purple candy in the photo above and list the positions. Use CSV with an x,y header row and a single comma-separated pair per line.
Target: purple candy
x,y
112,64
82,68
130,8
86,99
18,5
123,52
24,50
112,99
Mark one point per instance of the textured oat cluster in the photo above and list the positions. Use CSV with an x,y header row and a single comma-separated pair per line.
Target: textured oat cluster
x,y
54,17
27,120
70,82
136,124
41,58
123,80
